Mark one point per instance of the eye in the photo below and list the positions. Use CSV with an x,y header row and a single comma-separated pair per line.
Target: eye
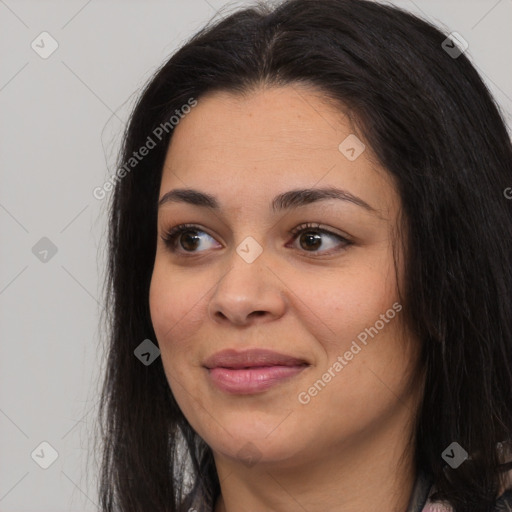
x,y
310,237
187,235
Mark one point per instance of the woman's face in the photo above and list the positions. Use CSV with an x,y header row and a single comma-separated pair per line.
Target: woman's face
x,y
325,303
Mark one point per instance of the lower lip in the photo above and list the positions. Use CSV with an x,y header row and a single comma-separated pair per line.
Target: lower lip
x,y
252,380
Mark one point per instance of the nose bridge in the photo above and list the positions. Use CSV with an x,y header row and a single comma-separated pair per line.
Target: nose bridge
x,y
247,286
244,279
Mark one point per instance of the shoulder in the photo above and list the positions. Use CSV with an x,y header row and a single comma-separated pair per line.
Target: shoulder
x,y
504,502
425,488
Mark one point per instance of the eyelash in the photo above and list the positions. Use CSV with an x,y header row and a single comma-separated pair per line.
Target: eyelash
x,y
170,238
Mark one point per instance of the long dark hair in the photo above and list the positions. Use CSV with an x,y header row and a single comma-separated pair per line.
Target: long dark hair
x,y
434,126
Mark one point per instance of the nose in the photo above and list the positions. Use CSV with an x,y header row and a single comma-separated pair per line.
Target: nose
x,y
247,293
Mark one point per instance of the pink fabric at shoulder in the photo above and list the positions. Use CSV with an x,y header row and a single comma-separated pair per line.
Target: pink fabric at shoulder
x,y
436,507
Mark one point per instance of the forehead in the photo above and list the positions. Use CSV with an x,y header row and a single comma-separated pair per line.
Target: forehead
x,y
256,145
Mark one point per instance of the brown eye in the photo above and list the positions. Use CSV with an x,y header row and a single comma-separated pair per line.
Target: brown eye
x,y
310,240
187,236
312,237
189,240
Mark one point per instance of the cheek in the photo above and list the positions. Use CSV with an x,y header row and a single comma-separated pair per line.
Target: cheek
x,y
362,311
339,305
162,304
174,304
174,308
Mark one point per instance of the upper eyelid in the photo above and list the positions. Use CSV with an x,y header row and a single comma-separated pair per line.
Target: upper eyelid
x,y
318,226
297,229
179,228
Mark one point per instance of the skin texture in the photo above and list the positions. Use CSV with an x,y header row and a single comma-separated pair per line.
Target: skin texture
x,y
340,451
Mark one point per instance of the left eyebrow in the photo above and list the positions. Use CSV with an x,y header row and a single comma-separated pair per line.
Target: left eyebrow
x,y
285,201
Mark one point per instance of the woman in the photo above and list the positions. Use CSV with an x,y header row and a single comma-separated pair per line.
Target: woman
x,y
311,225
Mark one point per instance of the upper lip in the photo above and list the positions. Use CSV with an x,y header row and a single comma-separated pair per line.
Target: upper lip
x,y
251,358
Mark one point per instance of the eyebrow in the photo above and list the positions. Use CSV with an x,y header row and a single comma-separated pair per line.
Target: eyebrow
x,y
285,201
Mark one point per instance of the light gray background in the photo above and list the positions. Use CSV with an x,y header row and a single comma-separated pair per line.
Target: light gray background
x,y
60,126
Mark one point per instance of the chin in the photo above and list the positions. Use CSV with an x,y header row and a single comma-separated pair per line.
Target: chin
x,y
249,444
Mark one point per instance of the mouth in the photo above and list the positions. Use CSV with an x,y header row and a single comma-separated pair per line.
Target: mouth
x,y
251,371
251,359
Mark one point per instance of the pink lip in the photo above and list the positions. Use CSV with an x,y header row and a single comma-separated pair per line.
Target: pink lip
x,y
251,371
